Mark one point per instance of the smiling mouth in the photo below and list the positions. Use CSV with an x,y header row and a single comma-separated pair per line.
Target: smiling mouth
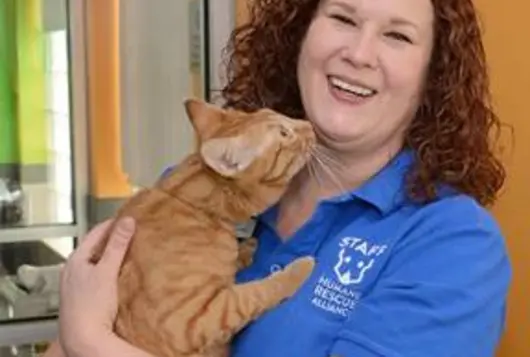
x,y
355,89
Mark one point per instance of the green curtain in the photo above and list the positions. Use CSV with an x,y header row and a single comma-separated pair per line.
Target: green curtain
x,y
23,127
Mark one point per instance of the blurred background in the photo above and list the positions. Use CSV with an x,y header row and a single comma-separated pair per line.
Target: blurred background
x,y
91,95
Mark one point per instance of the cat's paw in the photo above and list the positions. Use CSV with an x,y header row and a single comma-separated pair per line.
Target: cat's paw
x,y
247,248
298,271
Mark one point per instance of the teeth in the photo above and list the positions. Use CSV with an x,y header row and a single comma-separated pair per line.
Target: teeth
x,y
361,91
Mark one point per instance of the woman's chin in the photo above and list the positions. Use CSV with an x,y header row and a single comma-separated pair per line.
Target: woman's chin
x,y
336,139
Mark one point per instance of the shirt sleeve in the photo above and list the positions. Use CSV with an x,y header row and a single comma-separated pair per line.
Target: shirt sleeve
x,y
442,293
166,171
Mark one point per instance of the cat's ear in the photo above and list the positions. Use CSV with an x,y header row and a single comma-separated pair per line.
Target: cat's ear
x,y
205,117
231,155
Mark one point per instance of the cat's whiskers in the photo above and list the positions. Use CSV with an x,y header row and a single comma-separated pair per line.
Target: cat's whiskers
x,y
330,159
331,174
323,164
314,173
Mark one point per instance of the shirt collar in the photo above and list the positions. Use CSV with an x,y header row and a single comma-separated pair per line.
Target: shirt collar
x,y
385,190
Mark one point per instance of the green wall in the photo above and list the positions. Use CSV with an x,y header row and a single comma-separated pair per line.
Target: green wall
x,y
23,127
31,83
8,132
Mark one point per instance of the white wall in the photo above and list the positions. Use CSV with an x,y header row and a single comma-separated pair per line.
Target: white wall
x,y
54,15
155,79
222,21
155,51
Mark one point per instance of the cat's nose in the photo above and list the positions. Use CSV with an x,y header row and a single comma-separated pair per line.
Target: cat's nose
x,y
303,128
301,125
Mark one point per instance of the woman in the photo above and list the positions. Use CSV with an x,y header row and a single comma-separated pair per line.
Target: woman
x,y
409,262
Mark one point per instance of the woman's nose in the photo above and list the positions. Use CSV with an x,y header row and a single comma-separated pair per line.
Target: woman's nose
x,y
361,51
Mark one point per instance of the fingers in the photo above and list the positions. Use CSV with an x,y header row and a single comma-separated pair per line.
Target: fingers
x,y
117,246
89,242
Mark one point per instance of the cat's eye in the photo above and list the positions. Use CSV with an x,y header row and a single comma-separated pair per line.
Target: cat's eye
x,y
285,132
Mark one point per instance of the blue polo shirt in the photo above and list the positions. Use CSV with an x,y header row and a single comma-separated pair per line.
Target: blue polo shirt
x,y
393,278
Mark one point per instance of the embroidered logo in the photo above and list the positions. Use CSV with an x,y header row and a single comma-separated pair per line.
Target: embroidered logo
x,y
356,256
337,292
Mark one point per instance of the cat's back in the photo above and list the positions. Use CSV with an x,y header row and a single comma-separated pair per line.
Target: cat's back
x,y
167,221
176,262
155,203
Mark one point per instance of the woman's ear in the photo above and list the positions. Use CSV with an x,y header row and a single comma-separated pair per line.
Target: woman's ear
x,y
231,155
205,117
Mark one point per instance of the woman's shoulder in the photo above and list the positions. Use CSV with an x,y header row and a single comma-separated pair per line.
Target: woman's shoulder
x,y
452,234
454,215
458,208
445,278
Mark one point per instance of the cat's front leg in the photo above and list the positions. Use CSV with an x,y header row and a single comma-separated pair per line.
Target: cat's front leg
x,y
255,297
239,304
247,248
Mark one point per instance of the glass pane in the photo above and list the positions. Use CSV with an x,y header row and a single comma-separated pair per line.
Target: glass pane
x,y
35,135
29,278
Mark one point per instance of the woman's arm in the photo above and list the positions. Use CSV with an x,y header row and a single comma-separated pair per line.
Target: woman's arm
x,y
89,298
115,347
442,293
54,350
111,346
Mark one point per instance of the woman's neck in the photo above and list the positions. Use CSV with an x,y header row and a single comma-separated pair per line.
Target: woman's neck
x,y
330,173
327,175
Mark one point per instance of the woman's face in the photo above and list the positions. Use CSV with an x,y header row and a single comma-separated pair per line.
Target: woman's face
x,y
361,69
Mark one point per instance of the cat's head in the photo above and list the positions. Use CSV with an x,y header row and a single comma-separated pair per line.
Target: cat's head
x,y
262,149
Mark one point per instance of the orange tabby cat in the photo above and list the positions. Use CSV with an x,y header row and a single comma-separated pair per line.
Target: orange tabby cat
x,y
177,295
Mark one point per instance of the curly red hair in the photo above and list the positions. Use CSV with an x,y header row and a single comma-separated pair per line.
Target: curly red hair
x,y
451,133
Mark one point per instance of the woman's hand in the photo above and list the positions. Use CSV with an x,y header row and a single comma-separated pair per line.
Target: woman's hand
x,y
89,291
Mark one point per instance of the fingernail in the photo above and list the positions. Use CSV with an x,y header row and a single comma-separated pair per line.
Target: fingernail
x,y
126,224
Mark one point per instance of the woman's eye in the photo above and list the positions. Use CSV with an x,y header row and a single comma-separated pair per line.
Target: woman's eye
x,y
343,19
399,36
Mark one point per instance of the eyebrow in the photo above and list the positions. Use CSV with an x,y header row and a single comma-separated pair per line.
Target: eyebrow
x,y
397,21
343,5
